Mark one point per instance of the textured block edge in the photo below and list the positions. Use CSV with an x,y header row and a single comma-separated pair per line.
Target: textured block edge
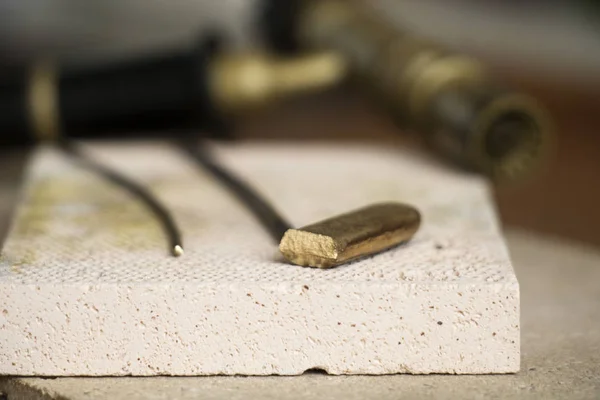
x,y
260,329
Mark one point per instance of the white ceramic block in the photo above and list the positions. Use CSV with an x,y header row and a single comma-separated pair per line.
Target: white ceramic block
x,y
88,287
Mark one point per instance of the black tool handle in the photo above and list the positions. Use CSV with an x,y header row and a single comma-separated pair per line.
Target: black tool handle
x,y
127,99
277,24
142,96
15,126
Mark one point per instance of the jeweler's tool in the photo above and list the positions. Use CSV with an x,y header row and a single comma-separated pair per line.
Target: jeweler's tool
x,y
198,89
327,243
463,113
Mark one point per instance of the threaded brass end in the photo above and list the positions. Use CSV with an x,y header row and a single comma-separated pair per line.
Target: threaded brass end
x,y
501,134
511,136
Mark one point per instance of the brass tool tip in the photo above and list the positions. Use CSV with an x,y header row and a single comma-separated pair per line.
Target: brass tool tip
x,y
241,82
504,135
512,137
349,236
177,251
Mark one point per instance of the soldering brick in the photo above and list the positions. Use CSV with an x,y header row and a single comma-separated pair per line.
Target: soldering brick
x,y
88,286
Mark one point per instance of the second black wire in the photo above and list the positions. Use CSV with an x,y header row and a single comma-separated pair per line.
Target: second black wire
x,y
270,219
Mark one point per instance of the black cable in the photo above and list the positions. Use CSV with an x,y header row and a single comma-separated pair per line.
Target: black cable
x,y
160,211
274,223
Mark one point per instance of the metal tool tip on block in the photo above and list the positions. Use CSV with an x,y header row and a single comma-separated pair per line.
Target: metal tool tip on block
x,y
349,236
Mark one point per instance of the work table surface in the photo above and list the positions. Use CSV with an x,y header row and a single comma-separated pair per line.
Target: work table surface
x,y
560,305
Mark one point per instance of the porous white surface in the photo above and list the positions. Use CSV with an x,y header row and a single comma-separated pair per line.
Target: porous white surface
x,y
88,288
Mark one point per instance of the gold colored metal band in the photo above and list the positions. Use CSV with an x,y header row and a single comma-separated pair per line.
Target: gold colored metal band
x,y
42,102
438,74
532,151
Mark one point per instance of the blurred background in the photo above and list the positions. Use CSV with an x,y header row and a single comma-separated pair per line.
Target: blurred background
x,y
550,49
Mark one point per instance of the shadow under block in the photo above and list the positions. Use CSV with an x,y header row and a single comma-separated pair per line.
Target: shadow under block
x,y
88,286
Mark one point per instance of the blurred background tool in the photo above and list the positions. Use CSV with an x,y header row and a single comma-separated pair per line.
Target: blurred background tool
x,y
465,115
550,49
462,112
154,95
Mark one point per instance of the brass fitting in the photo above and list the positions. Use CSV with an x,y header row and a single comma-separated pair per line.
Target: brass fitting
x,y
449,97
244,82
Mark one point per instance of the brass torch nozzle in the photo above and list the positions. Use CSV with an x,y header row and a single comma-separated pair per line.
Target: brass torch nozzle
x,y
242,82
448,97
